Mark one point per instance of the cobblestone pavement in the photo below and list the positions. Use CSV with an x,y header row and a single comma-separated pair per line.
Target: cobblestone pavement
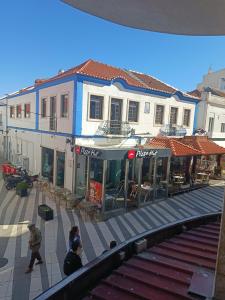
x,y
16,212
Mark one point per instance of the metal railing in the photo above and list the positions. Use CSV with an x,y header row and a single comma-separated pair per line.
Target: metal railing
x,y
169,130
115,128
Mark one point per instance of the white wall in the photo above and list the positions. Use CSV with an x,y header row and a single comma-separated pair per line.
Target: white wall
x,y
146,121
212,80
63,124
23,122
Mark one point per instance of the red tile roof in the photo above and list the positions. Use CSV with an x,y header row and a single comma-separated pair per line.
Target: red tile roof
x,y
176,146
203,144
103,71
165,271
196,93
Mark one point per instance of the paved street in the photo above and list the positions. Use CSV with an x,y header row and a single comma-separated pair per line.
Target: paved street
x,y
15,213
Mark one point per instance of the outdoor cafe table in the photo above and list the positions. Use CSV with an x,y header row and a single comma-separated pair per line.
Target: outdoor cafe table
x,y
147,189
203,176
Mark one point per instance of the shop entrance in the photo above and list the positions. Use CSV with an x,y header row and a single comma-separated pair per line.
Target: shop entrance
x,y
47,163
60,168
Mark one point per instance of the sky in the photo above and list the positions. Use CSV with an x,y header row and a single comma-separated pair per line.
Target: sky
x,y
40,37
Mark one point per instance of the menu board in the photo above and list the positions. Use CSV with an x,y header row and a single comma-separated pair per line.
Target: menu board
x,y
95,192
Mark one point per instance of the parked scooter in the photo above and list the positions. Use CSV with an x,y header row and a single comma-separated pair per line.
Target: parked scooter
x,y
12,181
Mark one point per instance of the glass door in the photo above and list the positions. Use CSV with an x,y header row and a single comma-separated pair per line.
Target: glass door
x,y
115,116
60,169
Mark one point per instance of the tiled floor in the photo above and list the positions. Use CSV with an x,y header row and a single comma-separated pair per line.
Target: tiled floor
x,y
15,213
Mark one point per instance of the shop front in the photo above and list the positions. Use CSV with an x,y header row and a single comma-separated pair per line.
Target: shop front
x,y
118,179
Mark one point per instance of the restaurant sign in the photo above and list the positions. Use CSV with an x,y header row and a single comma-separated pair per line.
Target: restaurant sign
x,y
87,151
141,153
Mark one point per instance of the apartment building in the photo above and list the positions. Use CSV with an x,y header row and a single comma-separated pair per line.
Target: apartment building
x,y
90,104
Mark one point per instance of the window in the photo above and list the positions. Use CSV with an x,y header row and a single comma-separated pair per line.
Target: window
x,y
222,127
44,107
211,124
147,108
186,120
222,83
64,105
96,107
12,112
19,111
173,115
133,111
159,114
27,110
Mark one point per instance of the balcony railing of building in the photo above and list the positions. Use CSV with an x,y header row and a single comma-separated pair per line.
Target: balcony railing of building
x,y
115,128
170,130
52,123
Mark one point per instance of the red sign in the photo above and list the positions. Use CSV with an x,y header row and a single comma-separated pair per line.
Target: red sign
x,y
77,149
95,192
131,154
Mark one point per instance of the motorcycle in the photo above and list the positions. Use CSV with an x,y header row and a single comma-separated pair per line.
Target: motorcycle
x,y
12,181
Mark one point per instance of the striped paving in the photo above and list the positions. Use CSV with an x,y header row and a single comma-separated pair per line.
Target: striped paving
x,y
15,213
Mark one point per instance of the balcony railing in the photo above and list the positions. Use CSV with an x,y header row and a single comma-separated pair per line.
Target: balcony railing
x,y
169,130
115,128
52,123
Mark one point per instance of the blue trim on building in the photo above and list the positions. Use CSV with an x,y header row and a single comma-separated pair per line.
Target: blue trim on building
x,y
195,117
77,126
74,105
82,78
21,94
37,110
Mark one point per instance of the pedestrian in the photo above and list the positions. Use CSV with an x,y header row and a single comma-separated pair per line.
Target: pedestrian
x,y
74,235
34,245
112,245
72,260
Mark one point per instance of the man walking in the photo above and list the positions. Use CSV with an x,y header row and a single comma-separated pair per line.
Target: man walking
x,y
34,245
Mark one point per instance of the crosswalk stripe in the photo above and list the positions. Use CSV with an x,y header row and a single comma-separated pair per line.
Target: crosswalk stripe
x,y
117,229
157,215
149,216
165,213
166,205
141,219
124,223
135,223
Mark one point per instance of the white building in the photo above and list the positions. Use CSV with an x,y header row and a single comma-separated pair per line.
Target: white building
x,y
211,108
91,104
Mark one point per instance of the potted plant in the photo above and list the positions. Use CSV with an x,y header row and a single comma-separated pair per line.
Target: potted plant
x,y
45,212
21,189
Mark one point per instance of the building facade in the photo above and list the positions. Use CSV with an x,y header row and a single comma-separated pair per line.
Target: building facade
x,y
91,104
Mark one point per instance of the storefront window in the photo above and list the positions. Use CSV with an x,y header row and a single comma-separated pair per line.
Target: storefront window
x,y
48,163
60,158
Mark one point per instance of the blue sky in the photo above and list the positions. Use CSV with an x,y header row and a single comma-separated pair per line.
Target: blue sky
x,y
37,38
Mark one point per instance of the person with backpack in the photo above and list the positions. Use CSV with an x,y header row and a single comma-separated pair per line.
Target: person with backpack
x,y
72,261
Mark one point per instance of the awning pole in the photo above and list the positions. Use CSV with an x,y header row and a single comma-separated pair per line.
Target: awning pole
x,y
126,182
103,184
219,281
140,163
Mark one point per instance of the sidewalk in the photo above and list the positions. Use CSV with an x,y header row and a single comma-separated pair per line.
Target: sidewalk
x,y
15,213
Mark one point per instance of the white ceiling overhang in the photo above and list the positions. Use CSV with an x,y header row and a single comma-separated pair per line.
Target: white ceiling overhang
x,y
188,17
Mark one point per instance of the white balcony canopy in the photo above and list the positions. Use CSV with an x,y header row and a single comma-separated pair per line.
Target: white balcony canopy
x,y
189,17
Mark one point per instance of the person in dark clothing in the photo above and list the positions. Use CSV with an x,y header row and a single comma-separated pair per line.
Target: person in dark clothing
x,y
74,235
112,244
72,260
34,245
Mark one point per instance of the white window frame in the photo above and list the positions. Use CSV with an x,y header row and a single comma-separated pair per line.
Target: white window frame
x,y
68,101
14,111
222,127
176,115
163,118
46,98
89,107
19,116
25,116
186,108
138,112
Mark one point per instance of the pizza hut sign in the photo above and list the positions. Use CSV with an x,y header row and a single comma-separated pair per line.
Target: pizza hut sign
x,y
131,154
87,151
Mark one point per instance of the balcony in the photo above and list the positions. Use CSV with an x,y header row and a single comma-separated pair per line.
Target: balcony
x,y
170,130
115,128
52,123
